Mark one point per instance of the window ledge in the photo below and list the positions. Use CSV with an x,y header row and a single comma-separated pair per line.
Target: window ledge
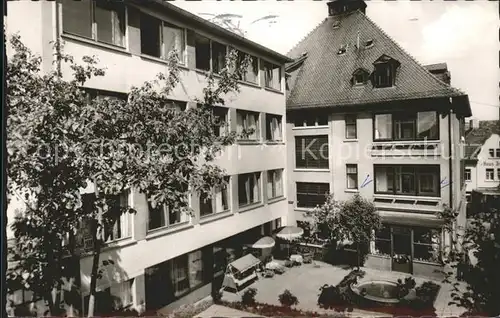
x,y
248,142
351,140
380,256
310,170
310,127
168,229
122,242
351,190
215,216
276,199
250,206
408,197
273,90
98,44
407,142
305,210
274,142
160,60
251,84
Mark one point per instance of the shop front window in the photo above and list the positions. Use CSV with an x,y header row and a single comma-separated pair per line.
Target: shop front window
x,y
426,245
382,242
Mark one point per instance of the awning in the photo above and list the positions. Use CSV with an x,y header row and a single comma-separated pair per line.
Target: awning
x,y
245,262
410,218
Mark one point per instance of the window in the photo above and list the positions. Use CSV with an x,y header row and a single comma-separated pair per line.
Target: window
x,y
352,176
492,152
309,195
310,119
159,38
350,127
195,266
490,174
102,21
221,121
275,183
382,241
219,52
407,180
384,76
162,216
122,225
406,126
219,202
274,130
247,125
426,245
498,174
467,175
249,188
311,152
272,76
179,274
497,152
122,293
177,105
202,50
210,55
252,72
342,49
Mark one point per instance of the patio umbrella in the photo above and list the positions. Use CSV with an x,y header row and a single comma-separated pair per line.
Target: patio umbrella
x,y
290,233
265,242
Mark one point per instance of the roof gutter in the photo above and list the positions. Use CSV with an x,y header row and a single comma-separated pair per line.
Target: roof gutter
x,y
216,29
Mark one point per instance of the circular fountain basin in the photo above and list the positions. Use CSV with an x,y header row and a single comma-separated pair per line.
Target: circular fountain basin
x,y
377,290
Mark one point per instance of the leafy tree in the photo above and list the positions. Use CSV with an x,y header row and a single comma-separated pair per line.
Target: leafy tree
x,y
482,278
354,220
59,140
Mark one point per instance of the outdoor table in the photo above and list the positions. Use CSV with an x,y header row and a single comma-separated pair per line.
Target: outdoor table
x,y
272,265
296,258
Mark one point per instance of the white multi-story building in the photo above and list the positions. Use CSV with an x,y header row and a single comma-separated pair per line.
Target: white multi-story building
x,y
164,259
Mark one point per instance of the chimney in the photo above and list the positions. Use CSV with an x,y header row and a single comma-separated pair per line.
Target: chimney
x,y
338,7
440,70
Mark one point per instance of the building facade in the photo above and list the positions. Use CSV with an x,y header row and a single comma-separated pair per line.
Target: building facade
x,y
364,117
164,259
482,156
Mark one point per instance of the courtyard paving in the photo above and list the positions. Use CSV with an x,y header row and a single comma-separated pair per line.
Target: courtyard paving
x,y
305,281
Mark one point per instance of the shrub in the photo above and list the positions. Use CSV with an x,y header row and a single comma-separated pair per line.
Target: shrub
x,y
248,297
288,299
403,287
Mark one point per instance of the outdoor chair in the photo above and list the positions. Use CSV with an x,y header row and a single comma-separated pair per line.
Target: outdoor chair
x,y
279,270
288,263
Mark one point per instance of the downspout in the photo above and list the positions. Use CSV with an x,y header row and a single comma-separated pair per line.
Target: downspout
x,y
57,43
450,168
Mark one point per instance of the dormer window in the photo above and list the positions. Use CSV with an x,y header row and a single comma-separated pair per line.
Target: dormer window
x,y
342,49
385,71
336,24
360,77
368,43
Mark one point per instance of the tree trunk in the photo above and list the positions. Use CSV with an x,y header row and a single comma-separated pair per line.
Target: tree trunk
x,y
95,269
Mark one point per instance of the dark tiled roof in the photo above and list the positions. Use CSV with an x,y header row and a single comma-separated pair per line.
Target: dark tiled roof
x,y
324,78
476,137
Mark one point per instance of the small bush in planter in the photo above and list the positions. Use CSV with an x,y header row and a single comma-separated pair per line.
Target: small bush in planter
x,y
248,297
288,299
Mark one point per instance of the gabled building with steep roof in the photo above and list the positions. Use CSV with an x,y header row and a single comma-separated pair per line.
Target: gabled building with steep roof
x,y
482,157
364,117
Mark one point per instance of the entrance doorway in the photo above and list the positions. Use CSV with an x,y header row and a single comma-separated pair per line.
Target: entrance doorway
x,y
402,250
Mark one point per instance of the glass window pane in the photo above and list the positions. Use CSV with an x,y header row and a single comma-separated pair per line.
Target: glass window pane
x,y
383,179
150,36
218,57
195,260
205,205
77,17
383,126
427,125
173,39
110,21
202,50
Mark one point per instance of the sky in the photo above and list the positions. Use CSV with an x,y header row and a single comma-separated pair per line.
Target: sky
x,y
464,34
